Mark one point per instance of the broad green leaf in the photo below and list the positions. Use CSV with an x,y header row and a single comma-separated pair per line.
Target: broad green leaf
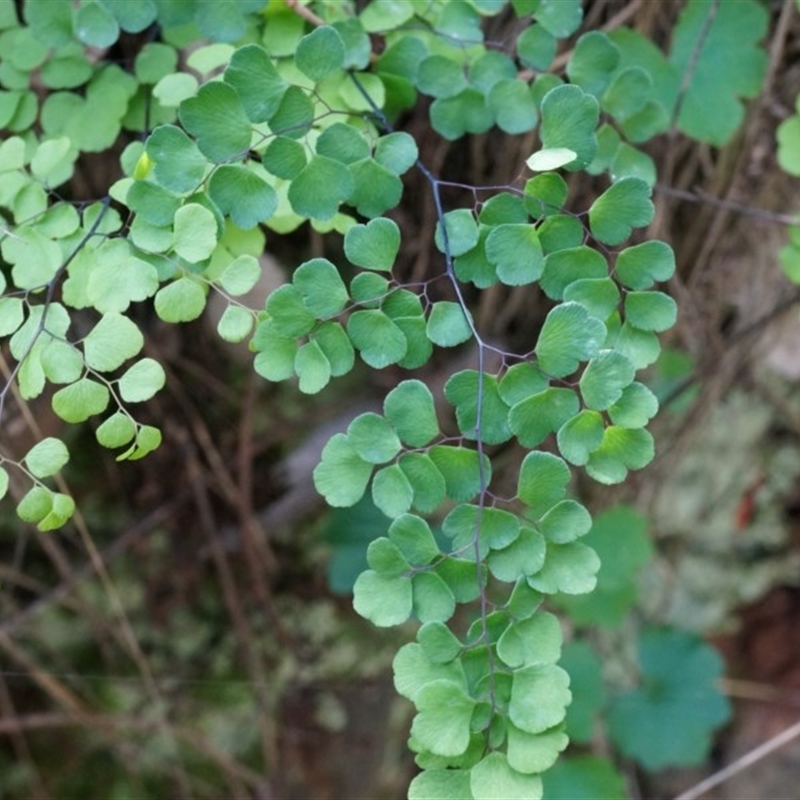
x,y
117,431
730,35
569,335
397,152
35,505
593,60
535,752
565,522
440,784
235,324
468,389
376,189
147,440
467,112
425,480
635,408
521,381
242,194
605,378
600,296
464,474
414,538
494,777
288,313
252,73
625,205
630,162
515,252
448,325
559,231
617,589
385,558
294,115
433,599
569,120
569,568
533,419
275,353
536,47
532,641
373,438
642,265
195,233
543,480
56,321
439,76
321,287
627,93
460,575
377,338
320,188
413,670
141,381
474,265
312,368
95,25
560,17
80,400
641,347
154,60
217,118
178,165
583,778
35,257
391,491
382,600
343,143
173,89
650,311
621,449
336,346
502,208
11,315
180,301
523,557
545,194
374,245
111,342
341,477
410,408
386,15
461,232
357,45
320,53
679,692
438,642
284,158
539,697
46,457
241,275
493,527
580,436
514,108
53,161
567,266
61,362
153,203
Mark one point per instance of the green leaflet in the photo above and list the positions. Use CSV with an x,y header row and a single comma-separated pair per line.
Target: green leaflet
x,y
624,205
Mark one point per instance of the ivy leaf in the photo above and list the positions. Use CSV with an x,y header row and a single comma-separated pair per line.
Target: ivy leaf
x,y
679,692
539,697
569,120
320,188
383,600
569,335
377,338
543,480
515,252
448,325
605,378
242,194
259,86
141,381
217,118
342,476
111,342
81,400
374,245
320,53
642,265
650,311
46,457
411,410
494,777
533,419
625,205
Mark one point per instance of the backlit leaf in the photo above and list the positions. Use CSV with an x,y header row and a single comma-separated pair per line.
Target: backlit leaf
x,y
141,381
46,457
111,342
